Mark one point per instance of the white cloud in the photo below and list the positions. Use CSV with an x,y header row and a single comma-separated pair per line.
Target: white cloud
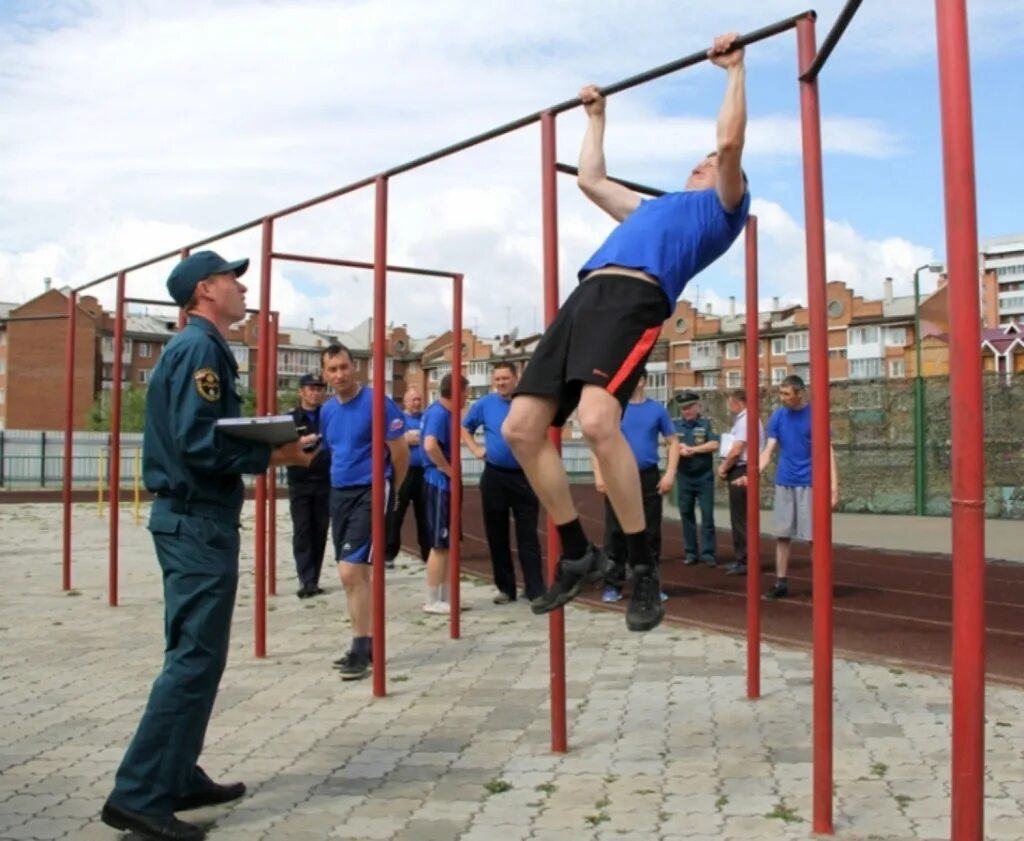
x,y
135,127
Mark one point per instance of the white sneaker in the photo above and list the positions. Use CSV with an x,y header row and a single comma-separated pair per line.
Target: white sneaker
x,y
437,607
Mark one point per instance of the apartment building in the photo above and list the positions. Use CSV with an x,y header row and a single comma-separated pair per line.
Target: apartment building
x,y
1001,265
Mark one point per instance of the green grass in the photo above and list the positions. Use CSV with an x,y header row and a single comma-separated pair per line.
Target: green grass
x,y
546,788
497,786
903,800
879,769
598,819
721,802
784,813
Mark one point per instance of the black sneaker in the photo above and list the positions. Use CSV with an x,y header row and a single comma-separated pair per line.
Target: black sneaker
x,y
779,591
389,563
570,576
353,666
736,569
710,562
645,610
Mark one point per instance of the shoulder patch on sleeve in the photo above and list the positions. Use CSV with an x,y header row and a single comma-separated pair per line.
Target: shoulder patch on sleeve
x,y
397,424
207,384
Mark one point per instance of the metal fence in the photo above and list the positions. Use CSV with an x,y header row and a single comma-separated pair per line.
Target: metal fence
x,y
35,459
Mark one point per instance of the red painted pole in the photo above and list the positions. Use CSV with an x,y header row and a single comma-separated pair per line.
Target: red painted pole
x,y
556,620
753,384
380,276
455,514
262,371
272,476
69,437
968,498
115,442
821,469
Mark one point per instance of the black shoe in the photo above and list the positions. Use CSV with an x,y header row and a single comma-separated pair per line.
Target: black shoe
x,y
156,827
736,569
352,666
212,795
710,562
570,576
645,610
779,591
689,561
317,591
503,598
304,592
389,563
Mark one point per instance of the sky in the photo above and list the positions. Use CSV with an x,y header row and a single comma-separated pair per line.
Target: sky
x,y
134,127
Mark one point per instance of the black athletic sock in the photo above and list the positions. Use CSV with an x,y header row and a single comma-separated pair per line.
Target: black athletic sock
x,y
782,582
574,541
639,550
362,646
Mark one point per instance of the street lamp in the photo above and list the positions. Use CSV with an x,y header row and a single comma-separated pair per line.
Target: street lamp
x,y
920,489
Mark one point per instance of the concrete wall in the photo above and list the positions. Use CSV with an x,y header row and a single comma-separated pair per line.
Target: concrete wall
x,y
873,435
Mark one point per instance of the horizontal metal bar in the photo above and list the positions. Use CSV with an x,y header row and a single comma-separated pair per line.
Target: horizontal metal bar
x,y
476,140
829,44
358,264
152,302
632,185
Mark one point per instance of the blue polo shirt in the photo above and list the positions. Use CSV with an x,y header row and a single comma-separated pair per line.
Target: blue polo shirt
x,y
490,413
347,430
672,238
641,424
792,429
437,421
417,458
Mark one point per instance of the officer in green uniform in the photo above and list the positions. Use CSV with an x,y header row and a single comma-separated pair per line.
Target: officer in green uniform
x,y
195,473
696,478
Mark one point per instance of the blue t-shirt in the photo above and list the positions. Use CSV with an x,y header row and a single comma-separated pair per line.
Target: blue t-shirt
x,y
437,421
347,430
641,423
672,238
417,458
792,429
490,413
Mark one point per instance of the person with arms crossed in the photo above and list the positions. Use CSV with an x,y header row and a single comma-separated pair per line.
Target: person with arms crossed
x,y
642,422
437,444
309,493
195,472
789,430
733,468
590,357
504,490
346,424
413,489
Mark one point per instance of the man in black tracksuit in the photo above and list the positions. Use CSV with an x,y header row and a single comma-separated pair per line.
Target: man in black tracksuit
x,y
309,492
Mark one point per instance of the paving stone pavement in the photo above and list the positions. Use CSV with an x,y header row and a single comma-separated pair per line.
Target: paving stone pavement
x,y
663,744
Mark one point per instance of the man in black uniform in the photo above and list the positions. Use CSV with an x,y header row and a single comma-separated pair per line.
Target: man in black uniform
x,y
696,482
195,472
309,492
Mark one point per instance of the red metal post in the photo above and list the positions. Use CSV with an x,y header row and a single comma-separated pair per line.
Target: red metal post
x,y
968,498
272,476
753,385
69,437
262,371
821,469
378,501
455,514
115,441
556,620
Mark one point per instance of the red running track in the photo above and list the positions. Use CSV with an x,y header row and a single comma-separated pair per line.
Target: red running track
x,y
890,606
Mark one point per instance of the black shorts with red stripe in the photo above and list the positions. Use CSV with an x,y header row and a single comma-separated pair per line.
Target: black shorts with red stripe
x,y
602,336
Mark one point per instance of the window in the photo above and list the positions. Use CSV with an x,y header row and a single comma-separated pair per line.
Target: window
x,y
144,374
734,379
412,368
707,350
778,346
681,325
778,375
797,341
3,396
709,381
357,363
897,368
761,376
896,337
862,336
835,308
145,350
863,369
837,353
683,363
732,350
3,366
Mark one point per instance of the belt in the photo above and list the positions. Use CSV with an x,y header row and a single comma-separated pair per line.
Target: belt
x,y
195,507
514,470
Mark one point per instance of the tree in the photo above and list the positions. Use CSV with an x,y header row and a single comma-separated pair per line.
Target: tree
x,y
133,411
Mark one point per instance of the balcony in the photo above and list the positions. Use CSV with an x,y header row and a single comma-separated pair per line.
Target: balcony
x,y
705,362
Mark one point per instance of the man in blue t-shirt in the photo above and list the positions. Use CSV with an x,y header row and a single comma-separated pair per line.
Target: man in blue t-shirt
x,y
789,429
591,354
504,490
346,424
437,446
413,489
643,422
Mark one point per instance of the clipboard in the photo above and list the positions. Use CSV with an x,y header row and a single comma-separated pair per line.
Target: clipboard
x,y
274,430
